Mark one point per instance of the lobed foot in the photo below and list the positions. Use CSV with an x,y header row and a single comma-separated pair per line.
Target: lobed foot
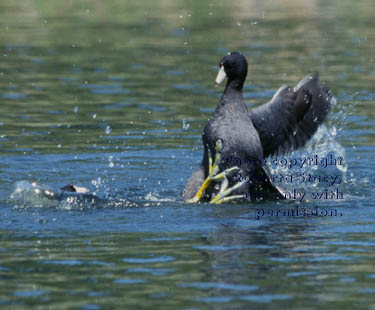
x,y
222,195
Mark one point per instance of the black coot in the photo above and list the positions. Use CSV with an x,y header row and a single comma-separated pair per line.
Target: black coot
x,y
244,138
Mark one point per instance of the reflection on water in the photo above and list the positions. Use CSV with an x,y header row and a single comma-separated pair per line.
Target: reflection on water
x,y
113,96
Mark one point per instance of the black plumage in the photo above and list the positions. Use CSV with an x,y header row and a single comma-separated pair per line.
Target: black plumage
x,y
283,124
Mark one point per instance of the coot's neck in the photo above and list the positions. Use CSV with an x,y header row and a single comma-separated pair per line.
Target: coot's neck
x,y
235,85
232,95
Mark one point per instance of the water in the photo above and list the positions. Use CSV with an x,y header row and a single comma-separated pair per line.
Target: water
x,y
113,96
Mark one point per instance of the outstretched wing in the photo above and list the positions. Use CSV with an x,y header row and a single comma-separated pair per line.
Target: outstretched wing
x,y
292,116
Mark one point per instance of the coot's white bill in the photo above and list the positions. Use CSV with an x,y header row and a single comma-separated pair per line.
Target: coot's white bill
x,y
220,76
81,190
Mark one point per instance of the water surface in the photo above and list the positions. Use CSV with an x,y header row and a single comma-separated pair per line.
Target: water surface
x,y
113,96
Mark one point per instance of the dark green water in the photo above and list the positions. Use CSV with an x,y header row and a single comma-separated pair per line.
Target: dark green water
x,y
113,96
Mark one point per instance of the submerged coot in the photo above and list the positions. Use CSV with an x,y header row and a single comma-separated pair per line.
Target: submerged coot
x,y
237,140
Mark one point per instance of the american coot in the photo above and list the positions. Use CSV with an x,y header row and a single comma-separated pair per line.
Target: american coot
x,y
236,141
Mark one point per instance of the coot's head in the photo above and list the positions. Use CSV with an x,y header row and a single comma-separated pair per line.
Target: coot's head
x,y
233,66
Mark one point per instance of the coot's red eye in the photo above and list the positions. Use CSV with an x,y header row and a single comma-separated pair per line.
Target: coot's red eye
x,y
221,64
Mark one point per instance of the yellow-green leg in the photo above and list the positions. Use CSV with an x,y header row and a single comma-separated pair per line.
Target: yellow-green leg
x,y
213,169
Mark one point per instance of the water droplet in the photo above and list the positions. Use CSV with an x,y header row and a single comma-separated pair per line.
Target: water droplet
x,y
185,125
111,163
108,130
94,116
334,131
59,145
75,109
